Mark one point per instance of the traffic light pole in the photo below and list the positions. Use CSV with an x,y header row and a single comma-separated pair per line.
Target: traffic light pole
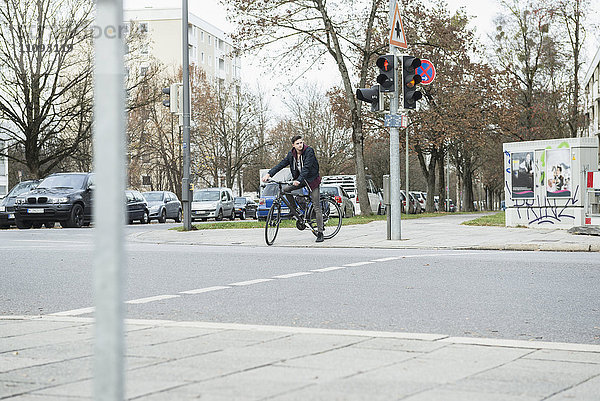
x,y
395,200
185,182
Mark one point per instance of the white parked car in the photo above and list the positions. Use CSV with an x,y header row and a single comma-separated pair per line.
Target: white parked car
x,y
213,203
348,182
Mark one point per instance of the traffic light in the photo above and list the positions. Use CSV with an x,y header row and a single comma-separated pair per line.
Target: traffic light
x,y
410,79
174,102
371,95
386,78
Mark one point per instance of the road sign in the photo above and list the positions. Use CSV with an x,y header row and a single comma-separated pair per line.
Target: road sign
x,y
426,71
395,121
397,36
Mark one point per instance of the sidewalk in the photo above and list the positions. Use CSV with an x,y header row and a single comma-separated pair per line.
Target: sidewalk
x,y
444,232
50,359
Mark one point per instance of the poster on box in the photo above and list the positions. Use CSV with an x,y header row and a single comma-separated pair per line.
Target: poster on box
x,y
558,173
522,174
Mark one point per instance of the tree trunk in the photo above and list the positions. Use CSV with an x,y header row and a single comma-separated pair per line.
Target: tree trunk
x,y
467,181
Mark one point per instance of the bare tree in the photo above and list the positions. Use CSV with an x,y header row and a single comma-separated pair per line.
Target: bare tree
x,y
46,81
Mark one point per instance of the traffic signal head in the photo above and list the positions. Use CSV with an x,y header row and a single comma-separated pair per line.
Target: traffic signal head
x,y
167,102
386,79
410,79
174,102
371,95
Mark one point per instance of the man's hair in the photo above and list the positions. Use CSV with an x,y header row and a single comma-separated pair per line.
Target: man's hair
x,y
295,138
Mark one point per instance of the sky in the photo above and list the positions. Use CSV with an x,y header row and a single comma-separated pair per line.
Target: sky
x,y
483,12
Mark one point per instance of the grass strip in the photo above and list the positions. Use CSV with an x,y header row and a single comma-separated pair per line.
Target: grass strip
x,y
497,220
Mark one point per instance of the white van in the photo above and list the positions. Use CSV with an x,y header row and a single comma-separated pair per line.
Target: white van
x,y
348,182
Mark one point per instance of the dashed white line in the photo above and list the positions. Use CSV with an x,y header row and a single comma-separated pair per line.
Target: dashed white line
x,y
207,289
328,269
151,299
293,275
74,312
250,282
358,264
386,259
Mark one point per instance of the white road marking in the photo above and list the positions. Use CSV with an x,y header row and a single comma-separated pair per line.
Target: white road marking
x,y
328,269
386,259
358,264
207,289
293,275
52,241
75,312
151,299
260,280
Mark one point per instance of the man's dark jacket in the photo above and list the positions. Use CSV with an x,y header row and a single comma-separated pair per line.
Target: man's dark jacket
x,y
310,167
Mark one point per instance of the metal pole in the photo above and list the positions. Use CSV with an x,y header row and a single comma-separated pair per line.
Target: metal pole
x,y
406,173
109,220
185,191
396,203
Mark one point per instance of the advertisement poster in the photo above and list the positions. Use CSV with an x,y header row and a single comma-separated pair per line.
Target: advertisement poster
x,y
558,172
522,174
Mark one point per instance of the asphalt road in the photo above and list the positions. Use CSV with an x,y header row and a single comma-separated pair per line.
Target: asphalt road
x,y
515,295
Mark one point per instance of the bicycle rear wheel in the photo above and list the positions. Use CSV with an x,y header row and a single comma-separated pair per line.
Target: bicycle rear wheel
x,y
272,223
332,218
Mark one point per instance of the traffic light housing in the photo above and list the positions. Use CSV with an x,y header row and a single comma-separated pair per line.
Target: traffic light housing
x,y
371,95
410,79
386,78
174,102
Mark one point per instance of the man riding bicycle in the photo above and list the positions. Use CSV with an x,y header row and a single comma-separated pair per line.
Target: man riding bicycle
x,y
305,170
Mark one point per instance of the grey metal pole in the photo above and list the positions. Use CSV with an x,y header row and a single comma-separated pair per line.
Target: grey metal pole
x,y
185,191
396,202
109,220
406,173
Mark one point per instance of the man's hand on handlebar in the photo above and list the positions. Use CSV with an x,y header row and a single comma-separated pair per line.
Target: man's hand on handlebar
x,y
296,183
266,177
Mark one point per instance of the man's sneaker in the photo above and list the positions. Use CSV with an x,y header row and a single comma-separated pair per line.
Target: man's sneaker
x,y
319,237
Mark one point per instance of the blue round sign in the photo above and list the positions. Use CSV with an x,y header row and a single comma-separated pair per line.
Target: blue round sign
x,y
426,71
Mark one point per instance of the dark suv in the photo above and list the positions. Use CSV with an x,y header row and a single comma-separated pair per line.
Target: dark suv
x,y
62,197
7,206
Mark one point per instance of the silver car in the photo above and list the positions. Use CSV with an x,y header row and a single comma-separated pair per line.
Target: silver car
x,y
163,205
341,197
213,203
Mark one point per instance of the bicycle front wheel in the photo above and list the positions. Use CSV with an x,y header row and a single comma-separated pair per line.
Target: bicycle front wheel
x,y
332,218
272,223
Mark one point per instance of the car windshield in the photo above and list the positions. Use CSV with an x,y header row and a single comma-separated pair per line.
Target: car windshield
x,y
21,188
203,196
329,190
63,181
240,201
270,190
153,196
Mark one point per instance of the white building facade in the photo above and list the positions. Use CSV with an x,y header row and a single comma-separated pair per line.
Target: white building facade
x,y
591,99
209,47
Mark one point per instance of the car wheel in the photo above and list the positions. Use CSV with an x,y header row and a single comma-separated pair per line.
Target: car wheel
x,y
163,216
145,218
37,225
219,215
50,224
76,218
232,217
243,215
24,225
4,226
179,216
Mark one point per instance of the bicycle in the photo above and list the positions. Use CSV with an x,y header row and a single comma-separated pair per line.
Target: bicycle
x,y
305,214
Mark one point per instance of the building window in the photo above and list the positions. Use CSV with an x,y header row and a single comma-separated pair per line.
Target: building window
x,y
201,36
143,27
143,71
221,64
209,40
202,57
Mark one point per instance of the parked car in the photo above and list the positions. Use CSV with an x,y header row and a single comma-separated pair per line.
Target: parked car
x,y
62,197
213,203
414,206
449,206
267,194
348,182
137,207
245,207
420,198
7,206
163,205
341,197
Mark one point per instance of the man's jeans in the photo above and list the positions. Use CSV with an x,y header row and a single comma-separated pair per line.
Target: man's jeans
x,y
314,196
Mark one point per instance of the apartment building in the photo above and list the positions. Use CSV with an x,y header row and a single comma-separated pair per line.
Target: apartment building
x,y
591,98
209,47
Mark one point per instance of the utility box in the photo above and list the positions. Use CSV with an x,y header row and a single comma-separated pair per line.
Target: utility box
x,y
545,182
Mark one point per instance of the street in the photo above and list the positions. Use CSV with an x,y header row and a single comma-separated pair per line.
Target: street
x,y
545,296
